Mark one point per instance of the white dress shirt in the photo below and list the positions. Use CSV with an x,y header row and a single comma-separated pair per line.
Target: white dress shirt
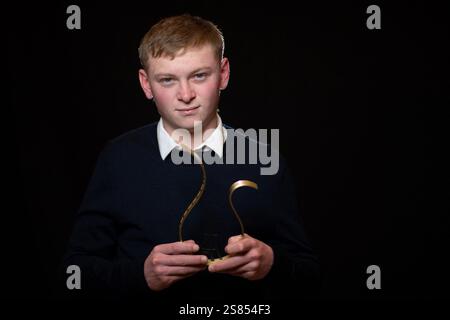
x,y
214,142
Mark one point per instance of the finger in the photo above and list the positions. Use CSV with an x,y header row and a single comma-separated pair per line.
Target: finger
x,y
229,264
251,266
177,248
183,271
182,260
239,247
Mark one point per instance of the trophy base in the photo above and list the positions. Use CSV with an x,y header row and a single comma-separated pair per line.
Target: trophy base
x,y
212,261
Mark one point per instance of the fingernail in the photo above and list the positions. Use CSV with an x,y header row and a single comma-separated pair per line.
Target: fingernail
x,y
195,247
204,259
211,268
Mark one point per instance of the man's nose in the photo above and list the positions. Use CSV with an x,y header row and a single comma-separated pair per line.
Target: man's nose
x,y
186,93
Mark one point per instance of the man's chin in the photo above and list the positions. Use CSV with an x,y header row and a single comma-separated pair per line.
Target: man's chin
x,y
191,125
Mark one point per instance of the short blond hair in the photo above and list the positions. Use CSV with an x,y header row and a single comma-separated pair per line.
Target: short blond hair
x,y
170,35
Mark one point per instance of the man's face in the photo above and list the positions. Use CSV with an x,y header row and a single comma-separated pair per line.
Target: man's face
x,y
186,89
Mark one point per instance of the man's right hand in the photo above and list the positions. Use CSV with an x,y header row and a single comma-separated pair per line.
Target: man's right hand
x,y
170,262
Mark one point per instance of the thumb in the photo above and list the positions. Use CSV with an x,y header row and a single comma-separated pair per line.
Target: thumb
x,y
234,239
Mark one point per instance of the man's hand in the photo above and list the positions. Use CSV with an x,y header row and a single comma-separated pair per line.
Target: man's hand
x,y
170,262
248,258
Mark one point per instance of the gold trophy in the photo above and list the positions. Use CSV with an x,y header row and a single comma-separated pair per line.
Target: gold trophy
x,y
236,185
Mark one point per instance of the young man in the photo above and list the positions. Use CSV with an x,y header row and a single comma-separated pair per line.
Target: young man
x,y
126,239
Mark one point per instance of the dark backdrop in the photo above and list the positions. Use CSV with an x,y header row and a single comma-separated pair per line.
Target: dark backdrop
x,y
353,107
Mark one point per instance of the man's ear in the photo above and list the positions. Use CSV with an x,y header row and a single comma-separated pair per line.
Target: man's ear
x,y
145,84
224,73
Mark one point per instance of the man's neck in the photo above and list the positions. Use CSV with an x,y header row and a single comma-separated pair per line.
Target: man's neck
x,y
199,134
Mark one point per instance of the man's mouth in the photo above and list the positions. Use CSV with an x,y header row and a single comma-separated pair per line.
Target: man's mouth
x,y
187,111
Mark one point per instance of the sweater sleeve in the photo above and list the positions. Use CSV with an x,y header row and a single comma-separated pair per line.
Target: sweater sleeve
x,y
295,267
93,243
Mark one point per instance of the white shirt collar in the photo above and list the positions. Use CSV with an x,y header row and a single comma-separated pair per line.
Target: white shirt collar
x,y
214,142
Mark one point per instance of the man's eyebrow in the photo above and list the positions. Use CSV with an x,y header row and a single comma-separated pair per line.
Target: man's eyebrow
x,y
165,75
169,75
204,69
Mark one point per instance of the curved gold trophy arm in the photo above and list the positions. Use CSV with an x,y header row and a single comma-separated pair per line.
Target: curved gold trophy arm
x,y
197,196
238,184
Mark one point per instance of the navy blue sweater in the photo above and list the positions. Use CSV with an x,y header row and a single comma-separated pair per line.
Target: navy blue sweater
x,y
134,202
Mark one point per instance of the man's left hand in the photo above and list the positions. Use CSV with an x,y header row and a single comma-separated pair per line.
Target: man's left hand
x,y
248,258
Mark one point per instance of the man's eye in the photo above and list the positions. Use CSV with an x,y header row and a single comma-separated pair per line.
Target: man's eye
x,y
200,76
165,80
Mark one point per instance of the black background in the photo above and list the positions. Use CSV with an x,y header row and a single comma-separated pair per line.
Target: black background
x,y
359,112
